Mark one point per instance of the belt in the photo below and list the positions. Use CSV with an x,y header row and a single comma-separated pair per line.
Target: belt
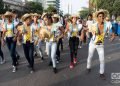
x,y
99,43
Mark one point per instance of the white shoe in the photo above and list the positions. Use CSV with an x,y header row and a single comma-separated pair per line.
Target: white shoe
x,y
14,69
79,46
57,62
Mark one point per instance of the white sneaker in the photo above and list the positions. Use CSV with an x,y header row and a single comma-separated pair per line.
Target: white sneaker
x,y
14,69
57,62
79,46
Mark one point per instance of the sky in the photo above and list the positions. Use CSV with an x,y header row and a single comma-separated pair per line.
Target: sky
x,y
74,5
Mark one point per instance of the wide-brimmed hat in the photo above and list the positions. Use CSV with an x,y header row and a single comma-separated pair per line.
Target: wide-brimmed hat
x,y
25,16
101,11
75,15
35,14
56,16
43,15
8,14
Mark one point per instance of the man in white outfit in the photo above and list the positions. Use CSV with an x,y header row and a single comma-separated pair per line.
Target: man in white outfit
x,y
98,31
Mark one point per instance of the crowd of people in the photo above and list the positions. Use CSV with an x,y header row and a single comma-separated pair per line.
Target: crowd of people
x,y
32,30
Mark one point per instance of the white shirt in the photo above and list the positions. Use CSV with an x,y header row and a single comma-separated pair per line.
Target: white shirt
x,y
89,23
108,25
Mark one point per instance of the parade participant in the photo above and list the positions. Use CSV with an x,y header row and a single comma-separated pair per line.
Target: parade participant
x,y
74,40
16,21
89,23
58,25
10,37
81,27
26,32
52,40
108,26
2,61
37,42
69,22
44,24
98,31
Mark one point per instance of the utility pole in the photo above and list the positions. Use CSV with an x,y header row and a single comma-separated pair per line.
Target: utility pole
x,y
68,8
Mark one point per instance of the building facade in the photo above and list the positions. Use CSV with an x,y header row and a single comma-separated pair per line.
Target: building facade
x,y
46,3
14,4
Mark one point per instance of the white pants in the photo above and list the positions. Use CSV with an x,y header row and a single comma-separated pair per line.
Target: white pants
x,y
52,47
100,50
46,47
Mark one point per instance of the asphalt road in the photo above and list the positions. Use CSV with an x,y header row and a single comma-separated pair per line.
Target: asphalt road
x,y
44,76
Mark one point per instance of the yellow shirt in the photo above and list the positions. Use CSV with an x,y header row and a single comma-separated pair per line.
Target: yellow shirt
x,y
75,32
26,33
9,30
97,37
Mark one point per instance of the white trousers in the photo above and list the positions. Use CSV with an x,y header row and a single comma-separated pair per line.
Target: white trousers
x,y
100,50
52,47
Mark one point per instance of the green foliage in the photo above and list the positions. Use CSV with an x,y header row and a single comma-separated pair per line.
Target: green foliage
x,y
113,6
51,9
35,7
118,19
84,13
2,10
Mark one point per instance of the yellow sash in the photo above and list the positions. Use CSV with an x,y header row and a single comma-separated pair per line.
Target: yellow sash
x,y
75,33
9,32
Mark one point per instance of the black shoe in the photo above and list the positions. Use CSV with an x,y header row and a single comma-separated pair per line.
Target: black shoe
x,y
42,58
50,64
102,76
88,71
55,70
18,57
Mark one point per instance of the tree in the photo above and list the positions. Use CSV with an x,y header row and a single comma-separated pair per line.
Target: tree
x,y
94,3
112,6
1,6
51,9
35,7
85,11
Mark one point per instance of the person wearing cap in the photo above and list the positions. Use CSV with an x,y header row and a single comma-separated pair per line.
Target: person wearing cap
x,y
26,34
73,40
60,30
36,27
98,31
10,36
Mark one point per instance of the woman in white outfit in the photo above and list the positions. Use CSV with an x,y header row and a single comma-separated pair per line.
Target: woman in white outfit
x,y
51,40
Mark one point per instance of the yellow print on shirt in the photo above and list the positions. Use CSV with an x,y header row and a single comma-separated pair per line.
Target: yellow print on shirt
x,y
9,32
75,32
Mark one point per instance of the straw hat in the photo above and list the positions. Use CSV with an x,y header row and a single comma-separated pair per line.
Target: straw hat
x,y
8,14
101,11
35,14
75,15
43,15
56,16
25,16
